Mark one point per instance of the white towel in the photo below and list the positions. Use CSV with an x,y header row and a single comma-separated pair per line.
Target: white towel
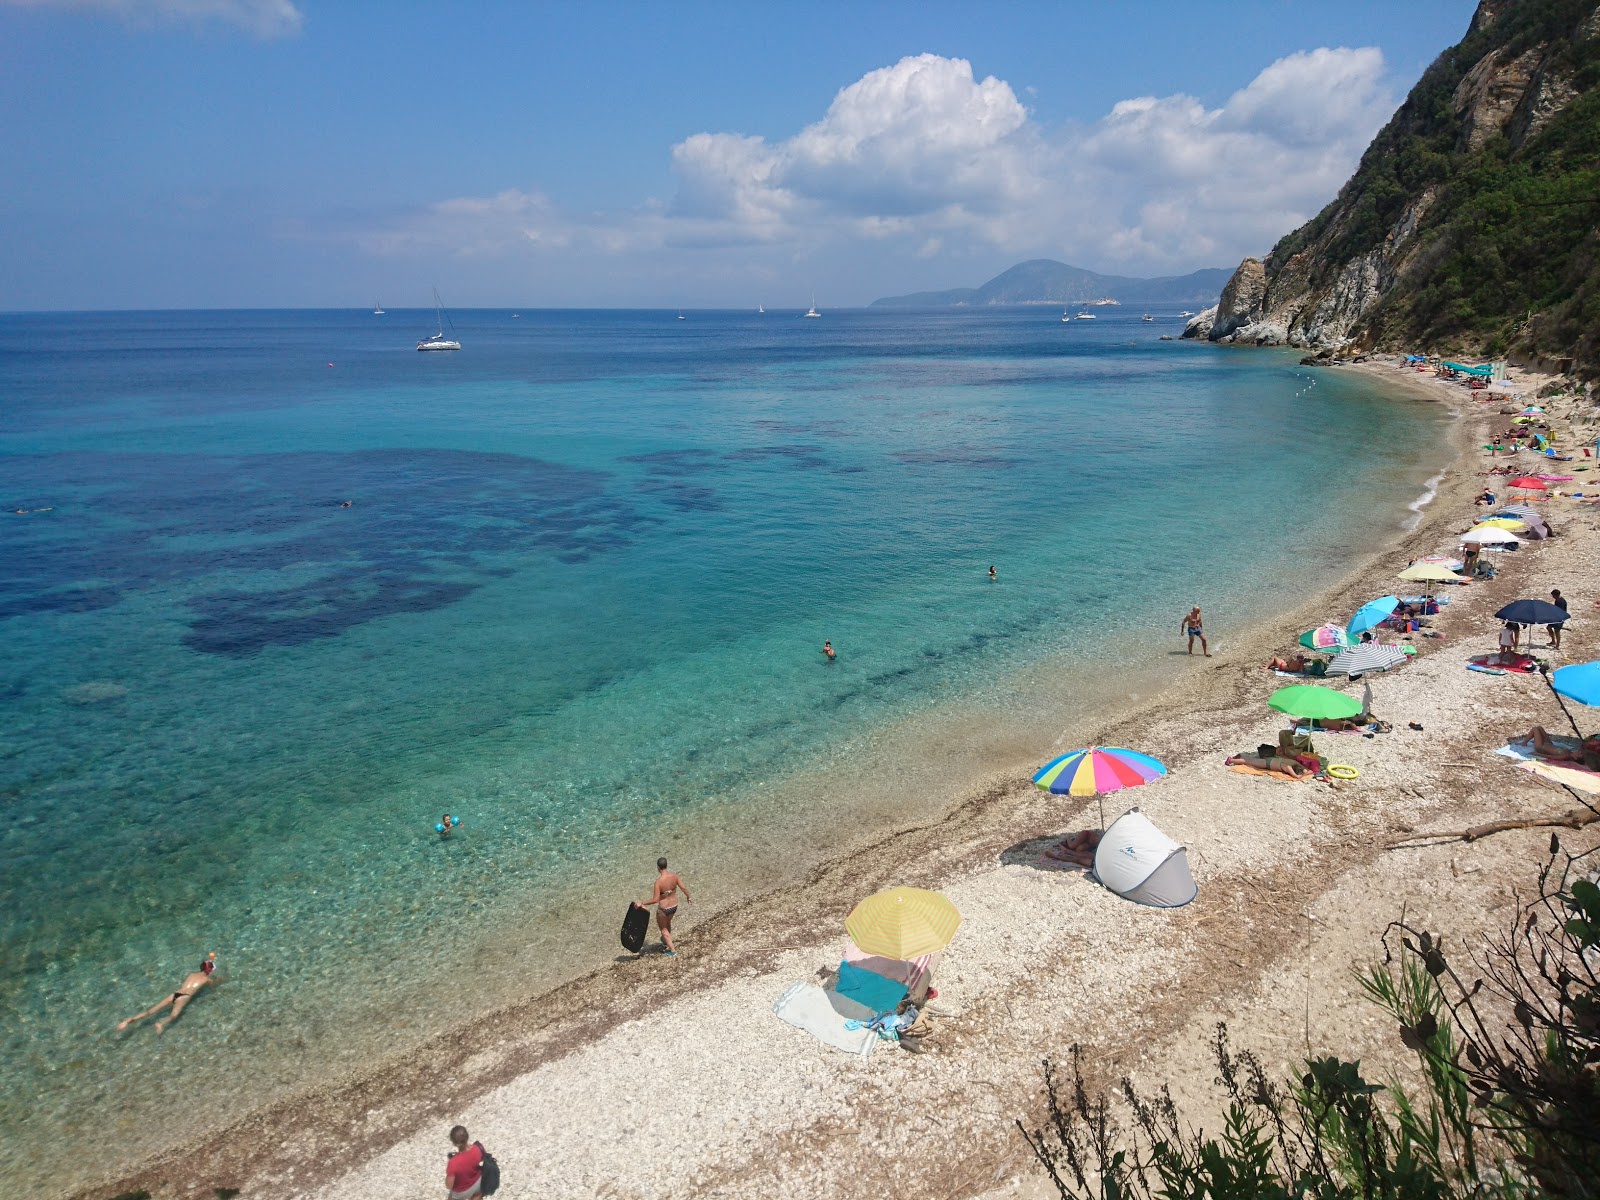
x,y
823,1014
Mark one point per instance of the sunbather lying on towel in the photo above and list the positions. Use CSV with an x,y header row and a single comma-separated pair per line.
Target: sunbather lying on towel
x,y
1076,848
1267,758
1295,666
1585,755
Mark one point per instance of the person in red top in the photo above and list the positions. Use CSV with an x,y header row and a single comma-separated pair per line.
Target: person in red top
x,y
463,1174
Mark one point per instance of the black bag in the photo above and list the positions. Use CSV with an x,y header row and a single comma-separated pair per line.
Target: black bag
x,y
489,1184
635,928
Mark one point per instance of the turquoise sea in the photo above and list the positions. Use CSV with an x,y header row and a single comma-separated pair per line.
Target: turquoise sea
x,y
578,598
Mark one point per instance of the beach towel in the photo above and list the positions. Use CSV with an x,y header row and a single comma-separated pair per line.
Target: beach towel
x,y
1246,769
910,973
823,1015
869,989
1472,666
1520,663
1570,774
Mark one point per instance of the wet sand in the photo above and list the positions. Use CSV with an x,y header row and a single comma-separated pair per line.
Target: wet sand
x,y
659,1077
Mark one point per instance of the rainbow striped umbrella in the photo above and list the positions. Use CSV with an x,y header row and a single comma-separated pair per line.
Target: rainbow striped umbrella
x,y
1096,770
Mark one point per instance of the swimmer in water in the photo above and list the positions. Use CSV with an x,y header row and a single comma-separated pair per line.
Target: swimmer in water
x,y
179,1000
346,504
446,824
993,574
827,650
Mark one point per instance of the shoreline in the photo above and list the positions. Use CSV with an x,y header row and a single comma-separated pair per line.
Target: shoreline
x,y
268,1148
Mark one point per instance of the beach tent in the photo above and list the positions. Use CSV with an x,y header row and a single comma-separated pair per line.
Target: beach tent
x,y
1483,372
1140,863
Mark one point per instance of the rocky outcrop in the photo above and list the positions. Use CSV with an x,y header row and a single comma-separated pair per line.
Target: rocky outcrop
x,y
1384,263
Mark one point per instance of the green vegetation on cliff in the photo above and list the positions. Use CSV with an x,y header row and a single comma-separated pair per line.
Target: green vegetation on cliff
x,y
1507,250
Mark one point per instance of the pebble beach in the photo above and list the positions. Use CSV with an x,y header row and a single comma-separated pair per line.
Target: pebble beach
x,y
660,1077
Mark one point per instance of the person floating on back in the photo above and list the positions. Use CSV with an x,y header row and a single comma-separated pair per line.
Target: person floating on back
x,y
202,977
665,899
827,651
463,1171
1195,629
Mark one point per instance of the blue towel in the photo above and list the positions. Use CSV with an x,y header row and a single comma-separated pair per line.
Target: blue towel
x,y
869,989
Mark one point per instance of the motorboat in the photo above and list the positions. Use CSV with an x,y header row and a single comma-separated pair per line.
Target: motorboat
x,y
438,341
1147,317
1085,315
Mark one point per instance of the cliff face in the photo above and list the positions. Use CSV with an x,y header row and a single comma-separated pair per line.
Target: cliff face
x,y
1470,225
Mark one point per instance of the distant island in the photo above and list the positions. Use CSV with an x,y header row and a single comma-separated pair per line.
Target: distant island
x,y
1045,281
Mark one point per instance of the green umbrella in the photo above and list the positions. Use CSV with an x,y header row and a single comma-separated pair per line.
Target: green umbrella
x,y
1306,700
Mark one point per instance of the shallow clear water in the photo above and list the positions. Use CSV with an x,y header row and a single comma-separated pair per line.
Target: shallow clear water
x,y
577,598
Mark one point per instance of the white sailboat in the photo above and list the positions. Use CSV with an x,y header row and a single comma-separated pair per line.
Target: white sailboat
x,y
438,341
1065,317
377,308
812,311
760,309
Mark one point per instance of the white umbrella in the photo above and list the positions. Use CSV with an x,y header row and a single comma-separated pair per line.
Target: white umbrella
x,y
1369,656
1489,536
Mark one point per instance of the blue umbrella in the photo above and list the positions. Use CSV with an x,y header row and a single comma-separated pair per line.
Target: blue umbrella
x,y
1373,614
1533,612
1580,683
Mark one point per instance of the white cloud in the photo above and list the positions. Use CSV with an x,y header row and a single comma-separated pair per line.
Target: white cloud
x,y
259,18
921,160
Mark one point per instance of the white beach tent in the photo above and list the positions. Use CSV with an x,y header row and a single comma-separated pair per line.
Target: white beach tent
x,y
1140,863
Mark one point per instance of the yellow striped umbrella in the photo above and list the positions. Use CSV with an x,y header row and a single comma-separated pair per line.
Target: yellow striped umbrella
x,y
903,923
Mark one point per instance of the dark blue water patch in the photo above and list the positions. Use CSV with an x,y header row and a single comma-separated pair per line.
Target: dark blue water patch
x,y
803,457
423,529
676,462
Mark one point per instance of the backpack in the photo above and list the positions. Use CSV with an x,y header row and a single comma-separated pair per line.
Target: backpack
x,y
489,1183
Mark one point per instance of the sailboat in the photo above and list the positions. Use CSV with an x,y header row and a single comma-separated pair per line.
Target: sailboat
x,y
438,341
812,311
760,309
1065,317
377,308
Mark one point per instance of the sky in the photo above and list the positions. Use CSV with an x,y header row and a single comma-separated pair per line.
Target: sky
x,y
333,153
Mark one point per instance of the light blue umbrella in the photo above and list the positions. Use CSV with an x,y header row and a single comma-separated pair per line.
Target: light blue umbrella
x,y
1373,614
1580,683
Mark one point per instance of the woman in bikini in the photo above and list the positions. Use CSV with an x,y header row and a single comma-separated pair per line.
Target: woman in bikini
x,y
179,999
665,898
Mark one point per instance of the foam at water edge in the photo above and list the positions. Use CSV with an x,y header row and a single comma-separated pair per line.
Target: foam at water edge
x,y
1430,490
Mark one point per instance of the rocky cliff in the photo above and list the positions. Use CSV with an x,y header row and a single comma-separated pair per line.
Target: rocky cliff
x,y
1470,226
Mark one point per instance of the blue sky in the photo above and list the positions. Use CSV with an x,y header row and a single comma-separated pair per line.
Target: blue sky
x,y
264,153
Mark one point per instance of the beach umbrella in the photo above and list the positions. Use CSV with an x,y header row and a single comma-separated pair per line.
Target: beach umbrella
x,y
903,923
1533,612
1310,702
1427,572
1580,683
1531,482
1371,656
1325,637
1373,613
1489,536
1096,770
1526,511
1515,524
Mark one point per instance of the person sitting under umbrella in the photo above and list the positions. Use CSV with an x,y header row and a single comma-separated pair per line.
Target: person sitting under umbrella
x,y
1077,848
1586,754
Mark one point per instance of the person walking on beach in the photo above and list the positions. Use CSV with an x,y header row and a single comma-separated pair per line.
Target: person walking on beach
x,y
463,1171
1554,631
665,898
1193,626
179,1000
827,651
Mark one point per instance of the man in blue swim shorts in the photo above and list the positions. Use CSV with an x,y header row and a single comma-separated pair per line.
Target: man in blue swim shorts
x,y
1195,629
